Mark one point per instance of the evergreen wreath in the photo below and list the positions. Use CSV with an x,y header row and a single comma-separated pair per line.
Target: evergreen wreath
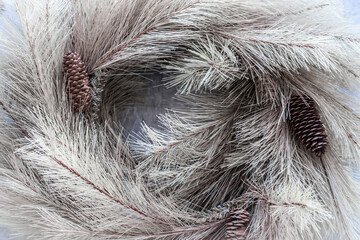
x,y
263,148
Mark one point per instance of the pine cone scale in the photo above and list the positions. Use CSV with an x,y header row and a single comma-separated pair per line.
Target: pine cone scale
x,y
306,122
236,225
79,92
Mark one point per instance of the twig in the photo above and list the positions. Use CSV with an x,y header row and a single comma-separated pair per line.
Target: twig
x,y
350,136
198,132
310,9
332,191
82,177
283,203
105,192
288,204
194,229
260,194
121,47
268,42
339,37
180,140
184,230
352,139
33,56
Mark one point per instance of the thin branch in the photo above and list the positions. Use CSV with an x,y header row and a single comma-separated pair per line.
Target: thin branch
x,y
105,192
193,229
268,42
33,56
288,204
339,37
259,194
179,231
350,136
349,70
332,191
180,140
121,47
302,205
221,67
16,121
352,139
310,9
82,177
231,114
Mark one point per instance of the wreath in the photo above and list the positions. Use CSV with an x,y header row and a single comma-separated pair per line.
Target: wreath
x,y
263,146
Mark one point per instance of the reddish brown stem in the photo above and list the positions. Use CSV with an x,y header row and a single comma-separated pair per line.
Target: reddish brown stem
x,y
312,8
33,56
287,204
178,231
193,229
283,204
121,47
192,134
179,141
351,137
82,177
339,37
268,42
105,192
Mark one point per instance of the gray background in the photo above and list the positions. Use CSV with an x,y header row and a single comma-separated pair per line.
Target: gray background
x,y
157,98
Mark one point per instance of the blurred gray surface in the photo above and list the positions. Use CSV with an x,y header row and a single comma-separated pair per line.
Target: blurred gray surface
x,y
157,98
4,234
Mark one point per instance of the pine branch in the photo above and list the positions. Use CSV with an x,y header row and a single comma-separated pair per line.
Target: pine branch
x,y
239,62
316,7
182,139
121,47
268,42
106,193
85,179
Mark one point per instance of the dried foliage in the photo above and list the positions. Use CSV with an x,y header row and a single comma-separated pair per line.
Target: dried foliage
x,y
236,65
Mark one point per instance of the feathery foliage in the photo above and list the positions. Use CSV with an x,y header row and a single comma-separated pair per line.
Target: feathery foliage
x,y
235,64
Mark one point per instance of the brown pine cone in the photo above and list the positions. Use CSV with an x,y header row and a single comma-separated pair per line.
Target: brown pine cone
x,y
305,121
236,225
77,86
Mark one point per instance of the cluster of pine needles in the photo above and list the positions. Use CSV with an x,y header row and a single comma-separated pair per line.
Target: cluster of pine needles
x,y
263,146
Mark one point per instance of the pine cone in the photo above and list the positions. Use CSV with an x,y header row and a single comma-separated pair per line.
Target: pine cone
x,y
236,225
77,85
307,125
